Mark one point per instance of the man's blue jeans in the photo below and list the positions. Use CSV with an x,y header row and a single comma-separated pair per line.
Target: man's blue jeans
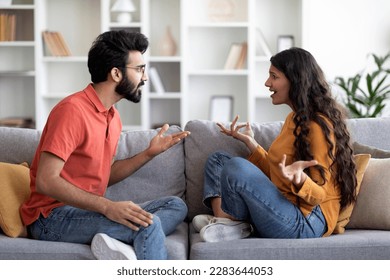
x,y
70,224
248,194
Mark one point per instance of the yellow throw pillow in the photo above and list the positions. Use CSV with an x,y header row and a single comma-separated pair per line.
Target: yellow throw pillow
x,y
361,161
14,190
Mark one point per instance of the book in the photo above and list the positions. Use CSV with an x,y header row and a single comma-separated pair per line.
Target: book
x,y
7,27
64,47
156,81
49,44
262,45
233,56
18,122
242,58
55,44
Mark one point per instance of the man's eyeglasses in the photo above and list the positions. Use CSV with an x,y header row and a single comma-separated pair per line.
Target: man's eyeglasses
x,y
139,69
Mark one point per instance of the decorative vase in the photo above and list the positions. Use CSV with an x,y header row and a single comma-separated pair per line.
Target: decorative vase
x,y
167,44
221,10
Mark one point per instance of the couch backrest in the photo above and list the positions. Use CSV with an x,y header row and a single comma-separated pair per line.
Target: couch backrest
x,y
18,145
162,176
206,138
371,131
179,171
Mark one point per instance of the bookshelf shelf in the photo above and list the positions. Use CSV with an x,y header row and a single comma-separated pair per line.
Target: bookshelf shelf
x,y
17,56
65,59
218,72
218,25
165,95
165,59
17,43
18,7
116,25
21,73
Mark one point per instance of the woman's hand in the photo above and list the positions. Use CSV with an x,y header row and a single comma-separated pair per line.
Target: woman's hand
x,y
242,132
294,172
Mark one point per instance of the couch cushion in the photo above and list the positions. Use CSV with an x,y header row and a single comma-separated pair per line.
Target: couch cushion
x,y
352,245
373,151
370,131
14,189
345,214
162,176
30,249
18,144
372,209
205,139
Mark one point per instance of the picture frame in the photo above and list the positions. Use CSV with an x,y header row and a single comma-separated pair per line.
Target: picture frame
x,y
221,108
285,42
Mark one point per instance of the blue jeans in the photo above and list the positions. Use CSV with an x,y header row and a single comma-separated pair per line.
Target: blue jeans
x,y
70,224
248,194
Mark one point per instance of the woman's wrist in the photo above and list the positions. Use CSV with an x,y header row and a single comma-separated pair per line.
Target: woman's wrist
x,y
251,144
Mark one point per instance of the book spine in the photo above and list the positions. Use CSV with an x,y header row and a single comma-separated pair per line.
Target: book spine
x,y
242,59
233,56
64,47
7,27
49,47
262,44
156,81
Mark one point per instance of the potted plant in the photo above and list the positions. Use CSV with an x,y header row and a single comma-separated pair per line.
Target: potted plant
x,y
366,92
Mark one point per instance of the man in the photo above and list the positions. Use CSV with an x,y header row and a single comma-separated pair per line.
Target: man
x,y
74,163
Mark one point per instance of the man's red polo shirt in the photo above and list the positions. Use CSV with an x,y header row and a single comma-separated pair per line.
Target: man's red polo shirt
x,y
83,133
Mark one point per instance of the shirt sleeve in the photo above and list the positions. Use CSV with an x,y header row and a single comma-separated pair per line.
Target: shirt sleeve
x,y
260,158
64,131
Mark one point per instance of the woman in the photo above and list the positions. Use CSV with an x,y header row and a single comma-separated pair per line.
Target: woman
x,y
297,188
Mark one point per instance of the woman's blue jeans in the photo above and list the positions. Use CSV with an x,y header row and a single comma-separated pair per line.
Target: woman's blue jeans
x,y
70,224
248,194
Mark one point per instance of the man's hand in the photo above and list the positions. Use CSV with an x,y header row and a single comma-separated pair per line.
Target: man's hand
x,y
294,172
128,213
161,142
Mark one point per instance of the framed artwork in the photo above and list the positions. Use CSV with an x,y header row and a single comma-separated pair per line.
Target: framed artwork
x,y
285,42
221,108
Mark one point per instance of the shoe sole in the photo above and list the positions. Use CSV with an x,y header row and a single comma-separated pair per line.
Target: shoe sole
x,y
201,221
106,248
222,232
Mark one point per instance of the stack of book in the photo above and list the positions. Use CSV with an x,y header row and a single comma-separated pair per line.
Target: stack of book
x,y
237,56
55,44
7,27
18,122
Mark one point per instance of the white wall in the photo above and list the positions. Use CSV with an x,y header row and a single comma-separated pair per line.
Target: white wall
x,y
340,33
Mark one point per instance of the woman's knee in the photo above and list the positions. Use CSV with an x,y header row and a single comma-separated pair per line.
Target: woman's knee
x,y
238,166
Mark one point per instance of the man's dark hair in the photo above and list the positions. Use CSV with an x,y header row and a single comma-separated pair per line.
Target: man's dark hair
x,y
111,49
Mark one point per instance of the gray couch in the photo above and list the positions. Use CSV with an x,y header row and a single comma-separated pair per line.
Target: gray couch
x,y
179,172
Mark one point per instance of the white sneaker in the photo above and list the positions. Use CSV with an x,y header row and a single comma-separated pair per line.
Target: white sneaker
x,y
223,229
200,221
106,248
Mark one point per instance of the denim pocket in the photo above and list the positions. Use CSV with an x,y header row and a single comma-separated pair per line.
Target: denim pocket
x,y
40,229
317,221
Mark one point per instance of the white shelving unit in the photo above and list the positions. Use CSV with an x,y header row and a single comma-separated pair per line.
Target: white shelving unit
x,y
31,83
17,70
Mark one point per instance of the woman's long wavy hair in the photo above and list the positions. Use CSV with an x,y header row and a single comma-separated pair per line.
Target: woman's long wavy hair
x,y
312,100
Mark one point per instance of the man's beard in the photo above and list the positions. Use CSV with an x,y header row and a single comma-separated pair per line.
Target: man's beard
x,y
129,90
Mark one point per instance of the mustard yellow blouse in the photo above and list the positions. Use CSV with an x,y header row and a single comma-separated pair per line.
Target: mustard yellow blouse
x,y
311,193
